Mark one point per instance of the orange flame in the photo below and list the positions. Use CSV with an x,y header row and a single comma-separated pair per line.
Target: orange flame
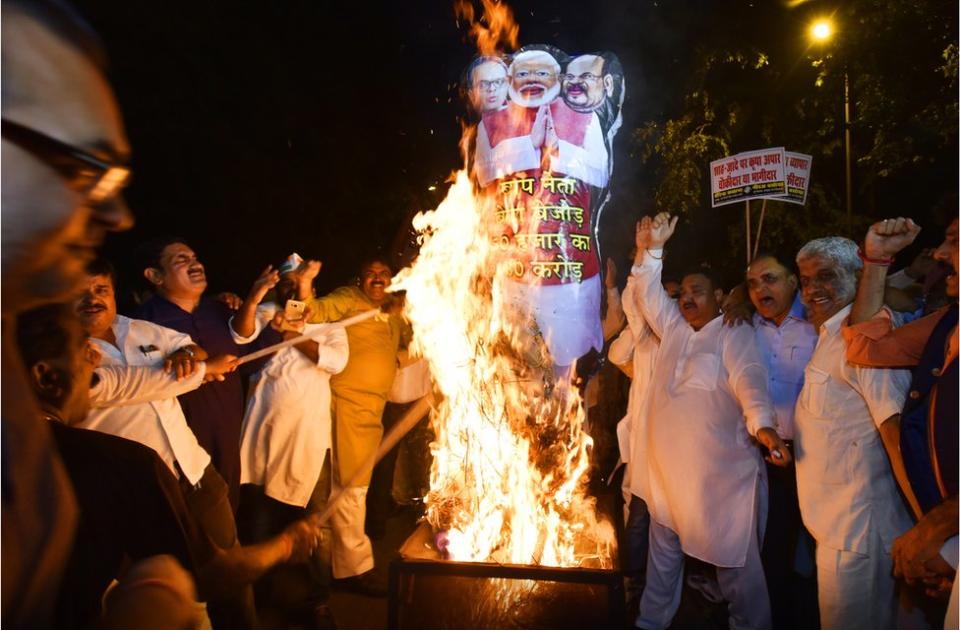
x,y
495,31
510,457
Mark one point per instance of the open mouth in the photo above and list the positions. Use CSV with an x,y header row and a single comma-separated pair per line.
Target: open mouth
x,y
197,275
533,91
767,302
689,306
90,309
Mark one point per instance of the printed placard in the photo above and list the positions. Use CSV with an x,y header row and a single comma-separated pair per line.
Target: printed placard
x,y
797,168
748,175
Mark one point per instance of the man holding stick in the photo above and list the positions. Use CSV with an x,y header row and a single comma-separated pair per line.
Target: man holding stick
x,y
359,395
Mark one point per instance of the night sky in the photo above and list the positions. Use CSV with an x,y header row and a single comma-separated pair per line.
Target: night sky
x,y
260,128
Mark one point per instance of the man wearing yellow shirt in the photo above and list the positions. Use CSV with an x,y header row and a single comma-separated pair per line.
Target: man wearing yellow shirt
x,y
359,395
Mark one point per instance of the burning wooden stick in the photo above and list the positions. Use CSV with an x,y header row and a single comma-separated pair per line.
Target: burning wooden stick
x,y
409,420
356,319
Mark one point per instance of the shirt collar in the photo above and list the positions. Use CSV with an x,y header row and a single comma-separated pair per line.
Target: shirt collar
x,y
832,325
797,311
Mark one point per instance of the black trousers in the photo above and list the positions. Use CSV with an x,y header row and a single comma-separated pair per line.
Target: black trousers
x,y
780,547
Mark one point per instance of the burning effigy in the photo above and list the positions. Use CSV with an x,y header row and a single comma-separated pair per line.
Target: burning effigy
x,y
503,298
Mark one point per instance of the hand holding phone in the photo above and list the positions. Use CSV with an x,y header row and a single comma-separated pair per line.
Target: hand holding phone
x,y
293,319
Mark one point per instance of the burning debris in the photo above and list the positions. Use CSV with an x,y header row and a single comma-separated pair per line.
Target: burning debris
x,y
505,295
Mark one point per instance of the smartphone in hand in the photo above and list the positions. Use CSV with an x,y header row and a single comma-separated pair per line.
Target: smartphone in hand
x,y
293,315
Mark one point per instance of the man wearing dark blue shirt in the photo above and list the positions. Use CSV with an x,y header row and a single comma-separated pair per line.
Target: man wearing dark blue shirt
x,y
215,410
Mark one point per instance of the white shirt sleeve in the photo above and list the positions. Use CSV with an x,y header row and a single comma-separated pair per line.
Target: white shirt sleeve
x,y
747,376
333,350
660,312
884,390
257,329
122,385
621,350
588,163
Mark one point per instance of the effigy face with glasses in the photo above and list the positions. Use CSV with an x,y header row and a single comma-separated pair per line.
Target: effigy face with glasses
x,y
542,149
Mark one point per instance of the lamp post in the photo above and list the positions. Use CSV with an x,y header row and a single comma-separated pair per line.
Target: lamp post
x,y
822,31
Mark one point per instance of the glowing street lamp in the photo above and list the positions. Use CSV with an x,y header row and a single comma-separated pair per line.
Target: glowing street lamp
x,y
821,31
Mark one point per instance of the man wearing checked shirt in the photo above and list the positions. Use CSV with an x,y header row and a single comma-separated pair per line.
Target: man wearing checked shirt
x,y
786,341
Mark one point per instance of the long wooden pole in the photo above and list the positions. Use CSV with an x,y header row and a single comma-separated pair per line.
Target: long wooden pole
x,y
356,319
763,210
747,219
409,420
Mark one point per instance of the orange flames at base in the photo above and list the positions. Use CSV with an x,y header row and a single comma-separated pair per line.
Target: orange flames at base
x,y
510,458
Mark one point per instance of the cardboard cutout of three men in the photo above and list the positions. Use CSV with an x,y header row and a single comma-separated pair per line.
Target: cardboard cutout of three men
x,y
542,150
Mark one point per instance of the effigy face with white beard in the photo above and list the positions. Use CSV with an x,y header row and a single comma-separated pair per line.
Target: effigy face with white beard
x,y
545,156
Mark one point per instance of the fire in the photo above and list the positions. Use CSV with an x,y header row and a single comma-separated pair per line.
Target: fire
x,y
495,30
507,483
510,458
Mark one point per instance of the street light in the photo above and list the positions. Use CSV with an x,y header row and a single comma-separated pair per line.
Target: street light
x,y
821,31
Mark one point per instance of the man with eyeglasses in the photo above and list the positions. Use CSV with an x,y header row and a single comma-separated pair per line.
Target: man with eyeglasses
x,y
538,139
488,84
785,339
63,154
584,85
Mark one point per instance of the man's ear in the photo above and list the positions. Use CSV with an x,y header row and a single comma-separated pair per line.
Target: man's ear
x,y
153,275
792,281
718,294
608,85
47,380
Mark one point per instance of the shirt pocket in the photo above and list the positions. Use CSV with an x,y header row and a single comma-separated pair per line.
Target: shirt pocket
x,y
816,391
701,371
792,371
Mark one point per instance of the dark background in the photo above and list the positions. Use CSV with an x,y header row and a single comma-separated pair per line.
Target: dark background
x,y
260,128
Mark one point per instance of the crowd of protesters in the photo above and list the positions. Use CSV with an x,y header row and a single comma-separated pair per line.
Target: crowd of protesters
x,y
844,382
804,423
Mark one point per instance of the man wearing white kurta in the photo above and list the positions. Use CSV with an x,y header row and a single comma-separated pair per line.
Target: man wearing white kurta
x,y
634,352
845,418
708,395
141,405
286,428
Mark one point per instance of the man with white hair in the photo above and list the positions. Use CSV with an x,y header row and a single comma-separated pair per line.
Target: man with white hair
x,y
538,129
846,418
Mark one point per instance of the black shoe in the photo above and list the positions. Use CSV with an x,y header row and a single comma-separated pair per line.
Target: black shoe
x,y
371,584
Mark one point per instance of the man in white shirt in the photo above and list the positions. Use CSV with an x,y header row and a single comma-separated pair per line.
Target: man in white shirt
x,y
846,417
707,397
151,414
286,429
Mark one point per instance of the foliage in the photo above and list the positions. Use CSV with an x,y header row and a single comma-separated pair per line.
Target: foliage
x,y
901,59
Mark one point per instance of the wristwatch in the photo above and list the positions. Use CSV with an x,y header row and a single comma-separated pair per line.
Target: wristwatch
x,y
189,351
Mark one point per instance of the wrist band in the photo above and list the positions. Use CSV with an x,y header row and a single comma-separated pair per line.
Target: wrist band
x,y
650,254
886,262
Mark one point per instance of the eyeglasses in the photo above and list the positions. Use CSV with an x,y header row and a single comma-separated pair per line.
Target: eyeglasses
x,y
495,84
586,77
99,179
